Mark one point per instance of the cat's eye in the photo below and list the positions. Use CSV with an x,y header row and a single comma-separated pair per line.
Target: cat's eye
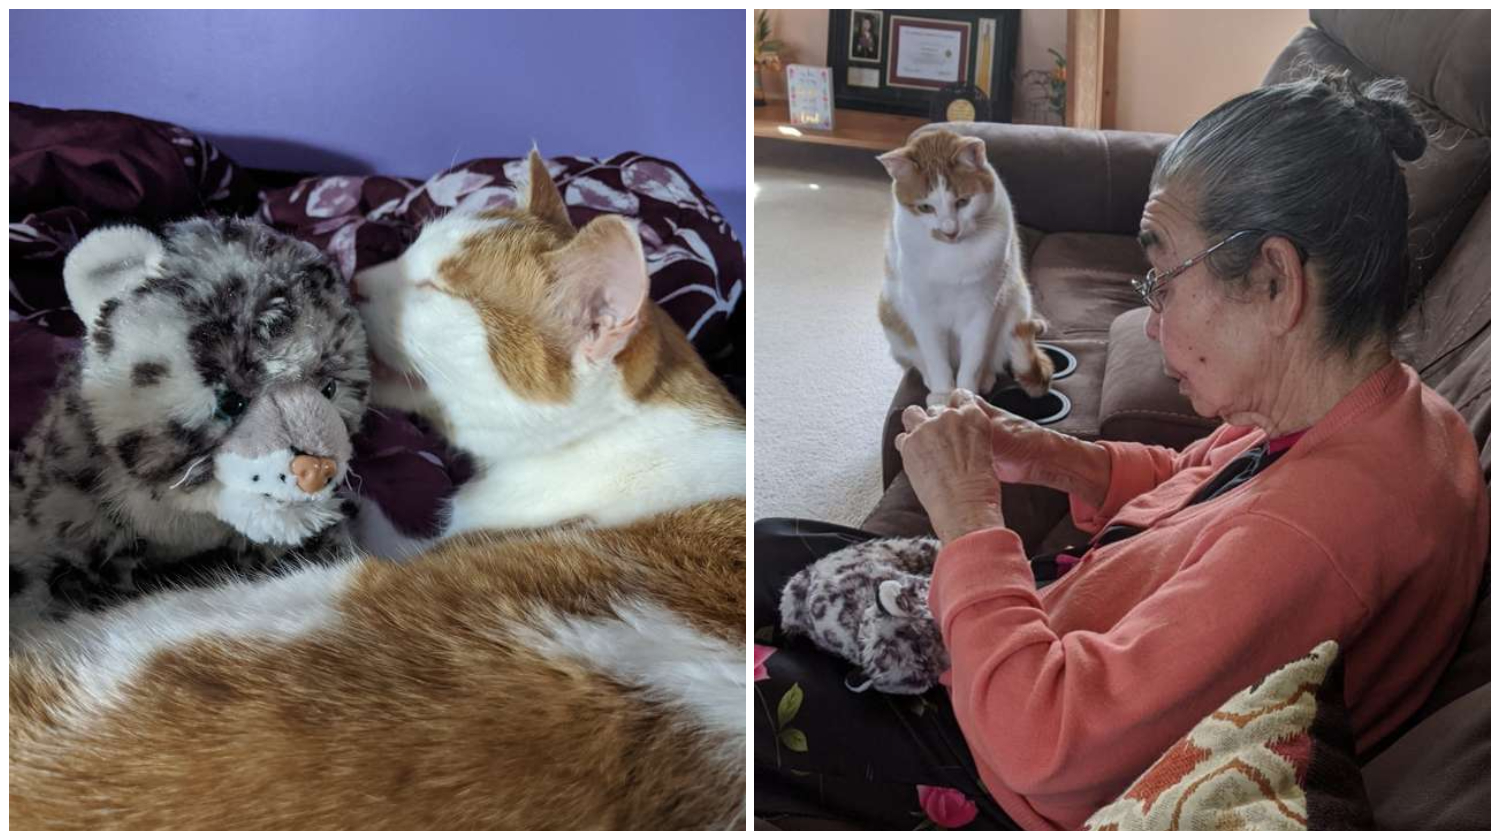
x,y
231,404
963,202
330,389
924,208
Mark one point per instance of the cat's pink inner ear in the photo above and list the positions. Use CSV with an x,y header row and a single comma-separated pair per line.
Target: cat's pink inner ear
x,y
601,286
542,197
971,150
897,163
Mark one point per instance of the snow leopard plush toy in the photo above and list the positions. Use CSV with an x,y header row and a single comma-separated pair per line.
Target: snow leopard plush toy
x,y
868,604
204,426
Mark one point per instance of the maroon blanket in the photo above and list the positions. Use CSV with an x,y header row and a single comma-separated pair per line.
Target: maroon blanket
x,y
73,171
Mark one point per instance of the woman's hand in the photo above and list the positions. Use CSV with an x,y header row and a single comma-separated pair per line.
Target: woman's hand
x,y
1027,453
948,457
1020,447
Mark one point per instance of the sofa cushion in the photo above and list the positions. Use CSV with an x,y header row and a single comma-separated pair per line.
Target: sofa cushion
x,y
1453,313
1443,55
1278,755
1447,184
1081,281
1437,777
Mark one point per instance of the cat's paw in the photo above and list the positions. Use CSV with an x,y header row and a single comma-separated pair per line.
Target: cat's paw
x,y
1038,380
938,399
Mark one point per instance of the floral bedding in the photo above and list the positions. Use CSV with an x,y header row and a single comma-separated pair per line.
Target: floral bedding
x,y
72,171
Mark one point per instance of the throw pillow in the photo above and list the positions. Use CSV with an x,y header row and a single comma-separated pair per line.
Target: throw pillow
x,y
1277,756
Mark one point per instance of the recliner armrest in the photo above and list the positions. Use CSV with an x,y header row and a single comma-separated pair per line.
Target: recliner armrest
x,y
1070,179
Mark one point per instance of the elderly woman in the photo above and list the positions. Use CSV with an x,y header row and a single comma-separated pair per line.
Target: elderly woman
x,y
1340,499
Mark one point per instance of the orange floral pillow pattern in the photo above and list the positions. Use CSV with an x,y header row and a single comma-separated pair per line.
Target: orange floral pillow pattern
x,y
1277,756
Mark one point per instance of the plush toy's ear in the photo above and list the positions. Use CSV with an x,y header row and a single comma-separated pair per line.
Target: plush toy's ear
x,y
106,264
542,197
601,286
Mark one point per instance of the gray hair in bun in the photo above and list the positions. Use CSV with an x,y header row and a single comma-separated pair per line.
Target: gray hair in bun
x,y
1314,161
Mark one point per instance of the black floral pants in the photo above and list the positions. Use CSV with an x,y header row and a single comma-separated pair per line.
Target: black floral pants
x,y
824,752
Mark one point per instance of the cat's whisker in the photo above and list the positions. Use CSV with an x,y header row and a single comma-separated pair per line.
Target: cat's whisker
x,y
429,362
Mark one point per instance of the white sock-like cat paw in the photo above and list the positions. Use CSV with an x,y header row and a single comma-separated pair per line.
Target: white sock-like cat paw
x,y
267,520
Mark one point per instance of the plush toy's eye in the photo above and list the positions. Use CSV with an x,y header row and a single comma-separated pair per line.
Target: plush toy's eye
x,y
331,388
231,404
924,208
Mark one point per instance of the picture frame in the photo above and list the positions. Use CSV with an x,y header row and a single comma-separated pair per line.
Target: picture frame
x,y
918,54
866,35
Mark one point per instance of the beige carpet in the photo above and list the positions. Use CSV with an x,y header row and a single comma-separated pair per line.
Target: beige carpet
x,y
823,373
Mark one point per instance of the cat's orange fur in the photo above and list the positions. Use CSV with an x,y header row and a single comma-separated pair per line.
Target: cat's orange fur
x,y
424,705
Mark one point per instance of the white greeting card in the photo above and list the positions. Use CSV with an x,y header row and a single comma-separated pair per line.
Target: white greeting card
x,y
809,92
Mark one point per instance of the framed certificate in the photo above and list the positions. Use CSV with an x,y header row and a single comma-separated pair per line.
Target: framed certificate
x,y
901,61
927,54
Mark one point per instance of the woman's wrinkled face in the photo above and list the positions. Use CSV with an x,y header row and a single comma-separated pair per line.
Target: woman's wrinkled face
x,y
1214,346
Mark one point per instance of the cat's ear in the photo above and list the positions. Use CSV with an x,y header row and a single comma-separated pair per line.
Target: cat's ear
x,y
971,152
601,286
542,198
897,162
108,263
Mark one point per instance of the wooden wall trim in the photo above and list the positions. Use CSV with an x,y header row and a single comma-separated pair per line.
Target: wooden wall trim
x,y
1093,60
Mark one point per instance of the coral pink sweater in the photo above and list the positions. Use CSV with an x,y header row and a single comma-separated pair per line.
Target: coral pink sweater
x,y
1371,530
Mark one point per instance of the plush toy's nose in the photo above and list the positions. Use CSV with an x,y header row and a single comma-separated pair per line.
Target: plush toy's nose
x,y
313,473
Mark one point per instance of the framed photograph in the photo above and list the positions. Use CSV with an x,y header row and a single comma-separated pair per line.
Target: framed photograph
x,y
901,61
866,35
809,96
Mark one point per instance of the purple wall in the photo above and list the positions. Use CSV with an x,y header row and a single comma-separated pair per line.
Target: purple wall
x,y
408,93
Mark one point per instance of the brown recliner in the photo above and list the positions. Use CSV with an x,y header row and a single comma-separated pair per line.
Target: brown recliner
x,y
1079,195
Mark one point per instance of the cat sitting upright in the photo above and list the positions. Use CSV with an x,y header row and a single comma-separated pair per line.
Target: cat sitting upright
x,y
571,656
955,304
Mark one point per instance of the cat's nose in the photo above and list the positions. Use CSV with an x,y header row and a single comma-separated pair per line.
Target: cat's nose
x,y
313,473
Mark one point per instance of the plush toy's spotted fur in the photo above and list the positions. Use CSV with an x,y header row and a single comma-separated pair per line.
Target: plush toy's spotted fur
x,y
868,604
169,453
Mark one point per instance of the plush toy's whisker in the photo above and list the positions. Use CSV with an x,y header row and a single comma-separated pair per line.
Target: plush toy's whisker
x,y
350,473
189,472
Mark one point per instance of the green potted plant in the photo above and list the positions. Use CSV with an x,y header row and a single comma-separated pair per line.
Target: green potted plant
x,y
767,53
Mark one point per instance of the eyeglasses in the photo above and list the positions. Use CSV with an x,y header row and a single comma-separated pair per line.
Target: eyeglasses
x,y
1150,286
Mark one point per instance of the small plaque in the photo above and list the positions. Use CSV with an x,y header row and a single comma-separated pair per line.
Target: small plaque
x,y
864,77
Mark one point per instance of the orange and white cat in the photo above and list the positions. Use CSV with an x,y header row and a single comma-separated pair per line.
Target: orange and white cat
x,y
955,304
572,655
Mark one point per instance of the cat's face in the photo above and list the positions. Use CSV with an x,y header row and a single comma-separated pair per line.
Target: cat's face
x,y
943,184
502,318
